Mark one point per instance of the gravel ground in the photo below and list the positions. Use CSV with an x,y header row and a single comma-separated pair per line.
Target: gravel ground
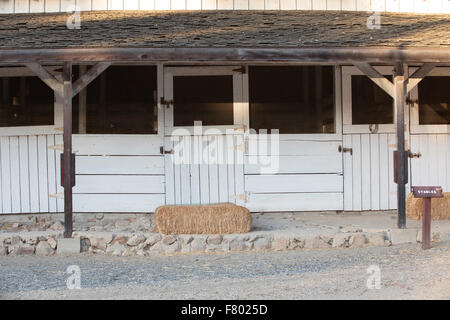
x,y
407,272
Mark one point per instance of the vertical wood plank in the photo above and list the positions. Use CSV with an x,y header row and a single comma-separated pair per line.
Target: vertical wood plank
x,y
33,173
7,6
57,165
185,170
365,172
209,4
194,4
357,174
349,5
54,178
1,179
406,6
384,171
24,175
118,5
363,5
178,5
67,5
204,170
37,6
131,4
392,5
15,174
230,142
422,6
225,4
304,5
85,5
348,174
319,4
375,172
272,4
177,173
288,4
222,168
43,175
6,175
21,6
241,4
333,4
392,139
213,170
52,6
256,4
169,172
103,4
195,170
239,171
441,150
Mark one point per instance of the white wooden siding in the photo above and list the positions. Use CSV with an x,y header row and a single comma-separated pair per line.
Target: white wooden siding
x,y
191,181
433,167
368,172
417,6
309,177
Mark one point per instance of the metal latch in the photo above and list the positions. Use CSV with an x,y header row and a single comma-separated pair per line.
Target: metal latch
x,y
162,151
166,103
414,155
349,150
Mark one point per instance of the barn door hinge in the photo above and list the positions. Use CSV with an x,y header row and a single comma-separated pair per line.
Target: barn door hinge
x,y
241,69
344,150
162,151
165,102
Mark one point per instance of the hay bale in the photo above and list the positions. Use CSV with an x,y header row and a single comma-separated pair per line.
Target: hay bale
x,y
440,207
220,218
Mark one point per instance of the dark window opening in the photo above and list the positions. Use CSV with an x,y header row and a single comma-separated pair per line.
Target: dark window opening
x,y
434,100
203,98
122,100
25,101
294,99
370,104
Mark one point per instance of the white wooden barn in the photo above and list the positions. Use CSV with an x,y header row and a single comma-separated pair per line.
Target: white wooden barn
x,y
334,82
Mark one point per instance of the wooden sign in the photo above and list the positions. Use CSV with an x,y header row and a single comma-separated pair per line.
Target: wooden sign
x,y
427,192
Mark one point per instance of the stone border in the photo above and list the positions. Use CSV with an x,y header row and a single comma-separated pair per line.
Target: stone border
x,y
148,244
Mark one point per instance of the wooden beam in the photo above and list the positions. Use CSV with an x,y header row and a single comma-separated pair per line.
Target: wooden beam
x,y
418,75
82,104
376,77
399,102
46,77
90,76
224,54
67,155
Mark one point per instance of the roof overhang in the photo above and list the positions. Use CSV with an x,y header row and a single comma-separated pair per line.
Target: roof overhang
x,y
337,55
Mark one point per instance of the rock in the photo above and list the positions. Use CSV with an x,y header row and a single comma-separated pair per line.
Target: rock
x,y
185,240
376,239
316,243
136,239
296,243
29,239
23,249
145,224
52,242
141,253
43,248
117,249
168,240
15,240
340,240
152,239
100,241
198,244
99,216
398,236
57,226
3,251
237,244
350,229
280,244
214,239
357,241
172,248
435,237
85,244
387,243
261,244
120,239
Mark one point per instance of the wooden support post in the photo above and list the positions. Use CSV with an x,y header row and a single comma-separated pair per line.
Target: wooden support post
x,y
426,224
67,156
82,104
399,102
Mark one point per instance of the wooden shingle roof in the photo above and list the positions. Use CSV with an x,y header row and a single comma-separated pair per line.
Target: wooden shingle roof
x,y
197,29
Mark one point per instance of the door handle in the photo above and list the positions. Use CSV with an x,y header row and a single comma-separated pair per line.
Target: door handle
x,y
414,155
343,150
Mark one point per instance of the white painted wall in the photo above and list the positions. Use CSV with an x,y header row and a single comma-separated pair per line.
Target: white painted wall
x,y
417,6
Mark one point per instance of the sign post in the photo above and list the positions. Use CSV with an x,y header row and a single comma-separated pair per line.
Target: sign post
x,y
426,193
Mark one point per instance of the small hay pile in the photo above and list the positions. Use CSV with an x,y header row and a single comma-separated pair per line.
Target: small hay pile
x,y
221,218
440,207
